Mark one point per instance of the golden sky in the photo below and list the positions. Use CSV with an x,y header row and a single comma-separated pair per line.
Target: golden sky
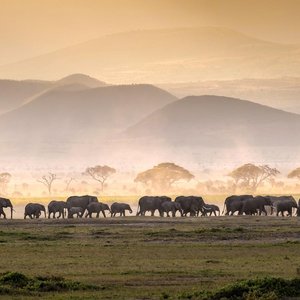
x,y
32,27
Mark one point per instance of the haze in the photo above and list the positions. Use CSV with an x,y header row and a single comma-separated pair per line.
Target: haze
x,y
33,27
209,85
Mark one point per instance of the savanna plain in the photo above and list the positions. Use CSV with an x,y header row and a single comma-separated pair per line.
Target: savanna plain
x,y
143,257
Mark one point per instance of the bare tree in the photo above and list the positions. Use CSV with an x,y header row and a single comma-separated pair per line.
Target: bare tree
x,y
47,180
4,180
100,174
68,183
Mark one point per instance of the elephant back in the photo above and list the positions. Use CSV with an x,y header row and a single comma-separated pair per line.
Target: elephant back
x,y
81,201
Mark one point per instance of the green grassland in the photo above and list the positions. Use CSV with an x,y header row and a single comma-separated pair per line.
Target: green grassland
x,y
146,258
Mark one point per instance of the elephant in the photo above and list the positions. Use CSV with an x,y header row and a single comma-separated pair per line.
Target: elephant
x,y
255,205
285,206
33,210
151,203
190,204
171,206
211,209
234,204
57,206
279,199
97,207
298,209
4,202
120,208
81,201
75,211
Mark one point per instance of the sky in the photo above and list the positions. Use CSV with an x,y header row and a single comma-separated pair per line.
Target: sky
x,y
32,27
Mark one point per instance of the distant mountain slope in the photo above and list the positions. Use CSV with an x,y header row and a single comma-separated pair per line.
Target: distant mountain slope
x,y
166,55
80,79
14,93
85,115
218,121
282,93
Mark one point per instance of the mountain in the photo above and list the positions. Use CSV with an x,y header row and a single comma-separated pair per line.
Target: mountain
x,y
62,115
214,121
282,93
166,55
80,79
15,93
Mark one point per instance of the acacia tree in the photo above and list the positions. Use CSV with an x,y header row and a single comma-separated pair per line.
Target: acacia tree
x,y
47,180
294,174
250,176
100,174
4,180
163,176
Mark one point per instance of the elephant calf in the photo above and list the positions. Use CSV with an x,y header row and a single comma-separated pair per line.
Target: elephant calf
x,y
210,209
172,207
120,208
75,211
283,207
96,207
34,210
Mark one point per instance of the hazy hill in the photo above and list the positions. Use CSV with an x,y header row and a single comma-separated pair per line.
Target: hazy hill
x,y
61,115
14,93
80,79
282,93
167,55
206,121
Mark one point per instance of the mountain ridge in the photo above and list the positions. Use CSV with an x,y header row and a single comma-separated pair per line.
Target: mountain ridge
x,y
205,52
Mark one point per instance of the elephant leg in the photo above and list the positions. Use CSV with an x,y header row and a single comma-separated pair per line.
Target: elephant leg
x,y
4,215
152,213
265,211
103,212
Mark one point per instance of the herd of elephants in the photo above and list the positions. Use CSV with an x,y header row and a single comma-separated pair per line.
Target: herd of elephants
x,y
80,206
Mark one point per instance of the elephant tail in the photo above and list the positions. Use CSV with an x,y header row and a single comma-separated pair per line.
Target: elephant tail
x,y
138,210
223,211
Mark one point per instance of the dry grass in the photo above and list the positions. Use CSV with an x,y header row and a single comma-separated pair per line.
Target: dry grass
x,y
150,257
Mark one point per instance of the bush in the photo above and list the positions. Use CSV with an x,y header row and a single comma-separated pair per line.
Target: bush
x,y
266,288
18,283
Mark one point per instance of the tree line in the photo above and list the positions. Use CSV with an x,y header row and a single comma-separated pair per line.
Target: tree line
x,y
162,177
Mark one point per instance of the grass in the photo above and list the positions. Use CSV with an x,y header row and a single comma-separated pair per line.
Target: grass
x,y
147,258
